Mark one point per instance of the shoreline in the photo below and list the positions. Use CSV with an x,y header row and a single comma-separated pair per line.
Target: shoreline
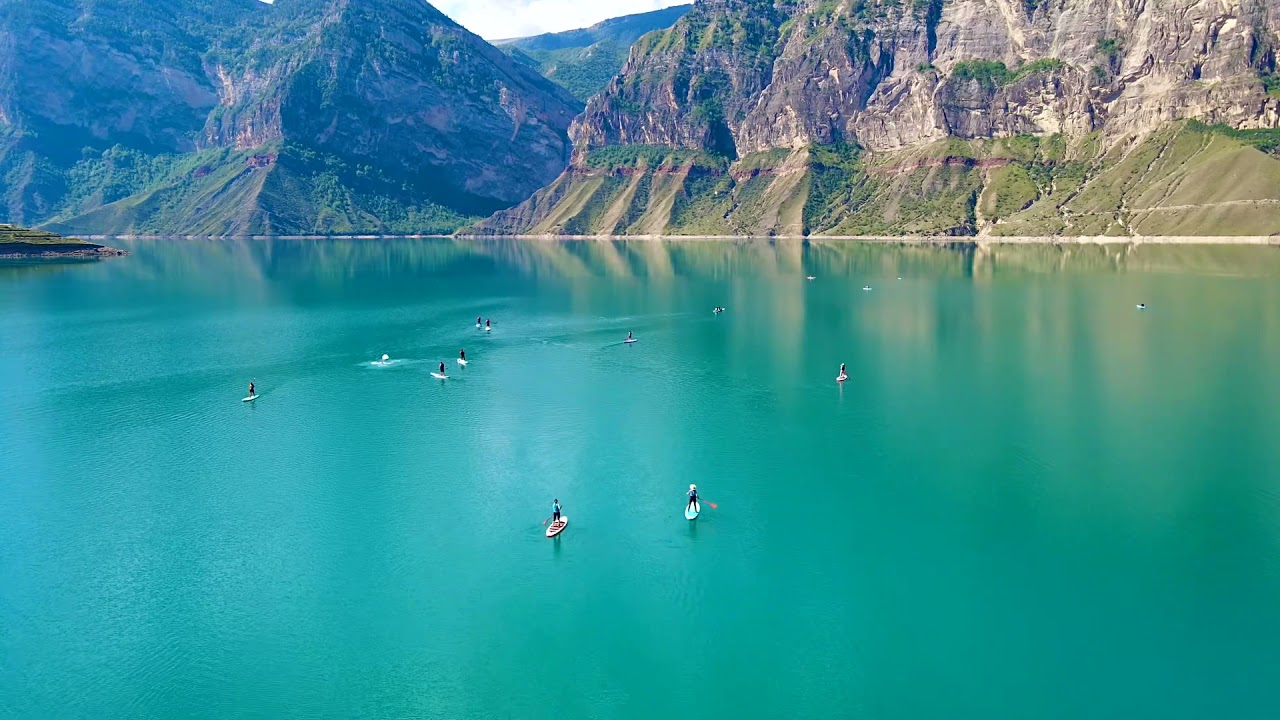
x,y
59,252
973,240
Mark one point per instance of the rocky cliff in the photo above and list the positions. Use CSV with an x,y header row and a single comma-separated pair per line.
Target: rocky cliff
x,y
935,116
233,117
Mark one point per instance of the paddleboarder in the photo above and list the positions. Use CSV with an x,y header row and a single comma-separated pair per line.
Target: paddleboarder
x,y
693,498
555,511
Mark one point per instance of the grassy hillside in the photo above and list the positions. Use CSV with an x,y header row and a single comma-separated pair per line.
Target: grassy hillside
x,y
17,242
277,189
1189,179
15,235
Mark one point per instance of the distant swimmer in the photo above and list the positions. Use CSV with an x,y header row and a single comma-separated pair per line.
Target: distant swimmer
x,y
843,374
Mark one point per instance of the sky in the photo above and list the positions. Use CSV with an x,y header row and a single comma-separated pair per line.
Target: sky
x,y
499,19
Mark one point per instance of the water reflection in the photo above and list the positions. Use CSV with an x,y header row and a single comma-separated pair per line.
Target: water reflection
x,y
651,260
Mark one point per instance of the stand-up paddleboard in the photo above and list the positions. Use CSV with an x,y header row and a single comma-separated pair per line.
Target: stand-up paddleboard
x,y
557,527
462,362
630,342
841,378
438,376
251,398
692,513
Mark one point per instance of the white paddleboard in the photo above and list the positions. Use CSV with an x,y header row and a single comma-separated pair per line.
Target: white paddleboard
x,y
251,398
557,527
692,514
841,378
438,376
462,362
628,342
488,329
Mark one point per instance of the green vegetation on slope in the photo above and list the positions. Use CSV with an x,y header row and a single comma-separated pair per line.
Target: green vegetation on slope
x,y
15,235
1170,184
288,190
584,61
993,73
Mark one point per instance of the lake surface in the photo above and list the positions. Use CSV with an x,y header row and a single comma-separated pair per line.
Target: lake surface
x,y
1031,499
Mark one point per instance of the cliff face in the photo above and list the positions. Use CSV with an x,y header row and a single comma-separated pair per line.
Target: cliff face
x,y
231,116
750,80
767,74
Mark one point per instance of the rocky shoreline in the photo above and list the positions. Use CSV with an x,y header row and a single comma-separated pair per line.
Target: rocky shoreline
x,y
20,243
21,251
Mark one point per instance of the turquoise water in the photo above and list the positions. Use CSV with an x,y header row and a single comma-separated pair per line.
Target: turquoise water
x,y
1031,500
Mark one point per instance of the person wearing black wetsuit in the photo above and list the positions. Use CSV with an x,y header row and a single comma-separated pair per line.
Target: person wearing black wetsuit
x,y
693,498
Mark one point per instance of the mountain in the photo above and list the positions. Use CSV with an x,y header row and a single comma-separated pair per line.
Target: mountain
x,y
237,117
952,117
584,61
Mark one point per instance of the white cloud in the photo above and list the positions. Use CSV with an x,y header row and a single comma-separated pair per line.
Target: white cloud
x,y
497,19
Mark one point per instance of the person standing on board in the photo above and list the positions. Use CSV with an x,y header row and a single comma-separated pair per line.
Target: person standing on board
x,y
252,390
555,511
693,498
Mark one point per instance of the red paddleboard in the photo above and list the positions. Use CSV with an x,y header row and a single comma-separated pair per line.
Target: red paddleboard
x,y
557,527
